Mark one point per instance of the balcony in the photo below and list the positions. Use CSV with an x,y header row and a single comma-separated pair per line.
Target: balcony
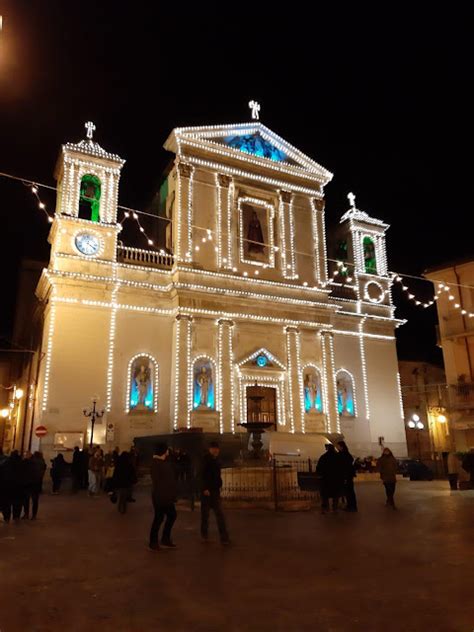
x,y
148,258
461,396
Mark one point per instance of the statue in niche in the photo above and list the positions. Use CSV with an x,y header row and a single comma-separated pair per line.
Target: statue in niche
x,y
345,397
142,378
312,392
204,381
255,242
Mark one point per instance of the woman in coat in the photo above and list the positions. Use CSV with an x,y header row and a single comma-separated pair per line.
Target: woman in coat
x,y
387,465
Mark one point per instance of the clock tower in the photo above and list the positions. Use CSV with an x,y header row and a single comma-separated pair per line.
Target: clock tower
x,y
85,223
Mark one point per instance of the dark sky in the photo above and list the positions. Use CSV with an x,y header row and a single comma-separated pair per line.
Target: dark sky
x,y
381,97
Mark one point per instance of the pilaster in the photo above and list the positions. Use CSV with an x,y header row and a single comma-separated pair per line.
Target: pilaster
x,y
226,375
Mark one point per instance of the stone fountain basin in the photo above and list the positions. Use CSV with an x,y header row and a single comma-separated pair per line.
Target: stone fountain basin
x,y
257,482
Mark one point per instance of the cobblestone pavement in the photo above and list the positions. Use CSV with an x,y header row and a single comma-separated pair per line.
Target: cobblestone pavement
x,y
84,566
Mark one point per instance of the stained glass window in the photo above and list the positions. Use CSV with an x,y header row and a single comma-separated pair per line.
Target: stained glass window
x,y
89,198
370,263
256,145
262,360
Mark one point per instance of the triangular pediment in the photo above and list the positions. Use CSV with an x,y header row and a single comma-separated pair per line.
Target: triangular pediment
x,y
249,141
260,359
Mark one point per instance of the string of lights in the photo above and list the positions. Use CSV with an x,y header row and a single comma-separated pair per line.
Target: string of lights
x,y
339,273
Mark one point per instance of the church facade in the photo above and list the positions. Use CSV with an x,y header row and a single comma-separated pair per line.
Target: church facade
x,y
241,317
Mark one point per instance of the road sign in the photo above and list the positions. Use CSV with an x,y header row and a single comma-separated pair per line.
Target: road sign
x,y
41,431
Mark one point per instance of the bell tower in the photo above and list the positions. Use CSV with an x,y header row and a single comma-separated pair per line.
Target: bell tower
x,y
85,223
365,248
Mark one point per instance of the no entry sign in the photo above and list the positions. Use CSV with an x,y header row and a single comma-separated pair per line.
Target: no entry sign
x,y
40,431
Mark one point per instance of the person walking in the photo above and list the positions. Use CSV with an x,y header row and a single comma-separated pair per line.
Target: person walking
x,y
76,470
123,479
58,468
453,464
348,473
95,467
330,471
211,484
468,466
13,479
109,469
27,478
164,492
37,468
387,466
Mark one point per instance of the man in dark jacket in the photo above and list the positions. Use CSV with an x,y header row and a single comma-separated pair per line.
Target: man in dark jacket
x,y
329,469
34,469
211,483
76,470
348,472
13,486
164,492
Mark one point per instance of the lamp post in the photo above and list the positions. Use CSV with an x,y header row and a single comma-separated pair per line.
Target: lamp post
x,y
415,424
93,414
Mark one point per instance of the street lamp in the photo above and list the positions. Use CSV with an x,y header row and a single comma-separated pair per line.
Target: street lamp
x,y
93,414
19,392
4,413
416,424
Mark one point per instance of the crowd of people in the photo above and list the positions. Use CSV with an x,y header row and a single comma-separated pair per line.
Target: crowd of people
x,y
115,473
337,469
21,482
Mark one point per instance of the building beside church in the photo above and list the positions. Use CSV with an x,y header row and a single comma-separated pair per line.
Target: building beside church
x,y
240,316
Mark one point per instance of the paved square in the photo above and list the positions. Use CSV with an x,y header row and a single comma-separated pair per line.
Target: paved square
x,y
83,566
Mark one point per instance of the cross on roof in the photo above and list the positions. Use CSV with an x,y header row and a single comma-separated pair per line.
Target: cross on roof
x,y
90,127
352,199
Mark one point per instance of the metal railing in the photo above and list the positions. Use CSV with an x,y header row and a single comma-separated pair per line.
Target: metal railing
x,y
138,256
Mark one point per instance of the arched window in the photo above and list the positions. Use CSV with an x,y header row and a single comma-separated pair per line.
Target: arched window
x,y
204,384
142,394
313,399
89,198
345,394
370,263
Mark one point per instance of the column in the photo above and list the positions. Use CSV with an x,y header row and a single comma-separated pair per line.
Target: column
x,y
287,235
184,215
182,371
224,220
226,375
319,240
294,379
329,377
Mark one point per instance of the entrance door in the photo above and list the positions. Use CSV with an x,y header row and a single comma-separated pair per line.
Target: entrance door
x,y
261,404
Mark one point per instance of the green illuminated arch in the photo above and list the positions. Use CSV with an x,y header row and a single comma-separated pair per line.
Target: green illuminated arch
x,y
370,263
89,198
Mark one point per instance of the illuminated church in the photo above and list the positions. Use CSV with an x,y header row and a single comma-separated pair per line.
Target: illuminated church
x,y
241,316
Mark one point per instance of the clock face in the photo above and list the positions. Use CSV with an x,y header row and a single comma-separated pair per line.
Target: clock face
x,y
87,244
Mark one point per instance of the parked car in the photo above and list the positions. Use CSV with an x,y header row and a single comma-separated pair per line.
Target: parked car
x,y
415,470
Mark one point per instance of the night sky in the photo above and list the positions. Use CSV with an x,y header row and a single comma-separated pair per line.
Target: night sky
x,y
380,97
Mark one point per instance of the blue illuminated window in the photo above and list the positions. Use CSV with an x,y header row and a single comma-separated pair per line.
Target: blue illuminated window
x,y
256,145
262,360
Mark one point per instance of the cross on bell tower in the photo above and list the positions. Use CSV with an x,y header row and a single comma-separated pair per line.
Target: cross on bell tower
x,y
352,199
90,127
